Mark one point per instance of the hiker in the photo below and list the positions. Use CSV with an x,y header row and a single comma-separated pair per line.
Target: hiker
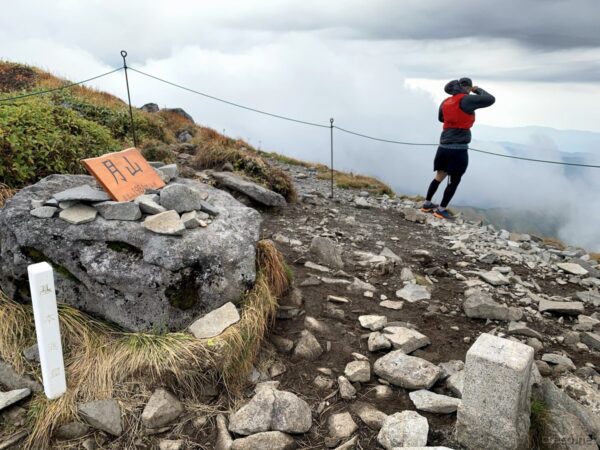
x,y
457,113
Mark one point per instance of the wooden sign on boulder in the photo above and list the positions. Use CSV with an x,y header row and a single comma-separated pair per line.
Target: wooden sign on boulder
x,y
124,175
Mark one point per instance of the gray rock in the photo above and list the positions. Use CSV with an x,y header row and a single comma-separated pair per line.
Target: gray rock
x,y
104,415
78,214
272,410
586,323
372,322
564,431
71,430
555,358
569,308
521,329
406,371
572,268
589,297
170,444
495,408
371,416
481,305
215,322
434,403
347,391
82,193
341,426
358,371
326,252
170,171
149,204
194,219
413,293
362,203
44,212
180,112
10,379
450,368
404,429
455,383
117,271
224,441
377,341
405,339
182,197
150,108
391,304
168,223
32,353
162,409
119,210
308,347
494,278
360,286
592,340
256,192
272,440
12,397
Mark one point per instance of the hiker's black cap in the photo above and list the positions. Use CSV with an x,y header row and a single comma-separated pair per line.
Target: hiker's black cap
x,y
465,82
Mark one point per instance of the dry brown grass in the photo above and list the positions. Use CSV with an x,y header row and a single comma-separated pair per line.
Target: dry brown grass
x,y
554,243
104,363
345,180
5,193
595,256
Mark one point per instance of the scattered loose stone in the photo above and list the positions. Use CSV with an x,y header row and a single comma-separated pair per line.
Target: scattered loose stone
x,y
435,403
455,383
182,198
149,204
308,347
391,304
450,368
252,190
327,252
72,430
272,440
341,426
405,339
336,299
78,214
360,286
224,440
167,222
12,397
572,268
358,371
347,391
170,444
413,293
561,360
370,415
591,339
406,371
373,323
119,210
317,267
403,429
377,341
480,305
215,322
162,409
569,308
44,212
103,415
82,193
194,219
521,329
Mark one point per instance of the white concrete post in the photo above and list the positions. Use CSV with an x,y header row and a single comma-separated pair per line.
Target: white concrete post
x,y
47,329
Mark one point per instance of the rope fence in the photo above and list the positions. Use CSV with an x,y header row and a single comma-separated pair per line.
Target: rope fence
x,y
330,126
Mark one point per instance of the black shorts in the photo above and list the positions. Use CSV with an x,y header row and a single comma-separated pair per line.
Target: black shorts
x,y
452,161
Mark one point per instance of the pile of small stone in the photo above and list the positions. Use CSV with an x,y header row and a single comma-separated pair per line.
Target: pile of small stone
x,y
170,210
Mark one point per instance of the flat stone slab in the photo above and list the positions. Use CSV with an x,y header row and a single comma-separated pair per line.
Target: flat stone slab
x,y
254,191
119,210
215,322
103,415
569,308
481,305
82,193
406,371
149,204
555,358
78,214
494,278
120,272
413,293
44,212
12,397
521,329
168,223
435,403
372,322
572,268
405,339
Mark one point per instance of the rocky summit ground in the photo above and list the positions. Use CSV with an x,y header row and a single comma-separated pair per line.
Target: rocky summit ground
x,y
376,280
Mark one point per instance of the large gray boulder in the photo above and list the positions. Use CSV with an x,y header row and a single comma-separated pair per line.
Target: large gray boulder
x,y
121,272
255,191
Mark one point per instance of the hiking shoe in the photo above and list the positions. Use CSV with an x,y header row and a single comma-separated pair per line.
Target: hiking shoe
x,y
443,214
428,208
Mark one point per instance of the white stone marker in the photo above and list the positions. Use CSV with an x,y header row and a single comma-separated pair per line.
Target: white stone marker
x,y
47,329
495,408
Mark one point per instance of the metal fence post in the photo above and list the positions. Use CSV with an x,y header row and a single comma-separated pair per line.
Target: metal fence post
x,y
124,55
331,129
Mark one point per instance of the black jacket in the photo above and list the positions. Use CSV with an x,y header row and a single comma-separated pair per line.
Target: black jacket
x,y
469,103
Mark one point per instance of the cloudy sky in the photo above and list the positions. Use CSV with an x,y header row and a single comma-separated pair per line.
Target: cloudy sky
x,y
378,67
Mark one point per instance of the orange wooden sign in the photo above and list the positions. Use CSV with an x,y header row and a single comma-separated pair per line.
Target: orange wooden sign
x,y
124,175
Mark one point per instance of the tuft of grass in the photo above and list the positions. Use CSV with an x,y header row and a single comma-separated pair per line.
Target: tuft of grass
x,y
6,192
595,256
345,180
554,243
292,161
539,419
103,362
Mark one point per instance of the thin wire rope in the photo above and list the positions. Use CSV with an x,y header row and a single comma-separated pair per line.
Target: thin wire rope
x,y
522,158
228,102
47,91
